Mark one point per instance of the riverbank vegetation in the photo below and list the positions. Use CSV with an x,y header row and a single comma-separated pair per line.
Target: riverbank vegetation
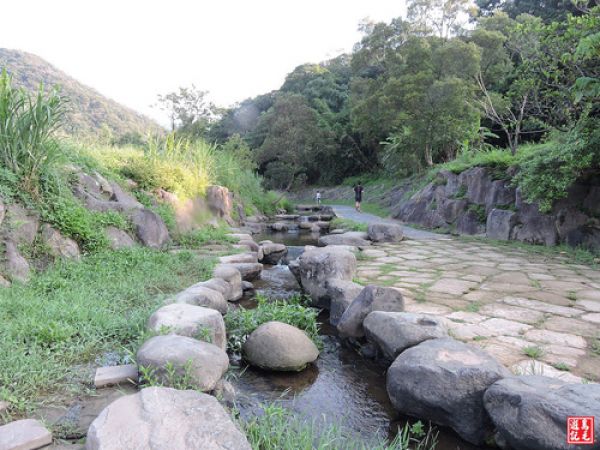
x,y
446,86
76,312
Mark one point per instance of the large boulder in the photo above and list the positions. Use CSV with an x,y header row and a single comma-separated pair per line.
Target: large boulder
x,y
371,298
470,223
192,321
201,363
444,380
165,418
316,266
279,346
272,253
341,293
216,284
220,202
150,228
233,277
394,332
22,224
499,224
355,238
530,412
248,257
534,226
385,232
118,239
58,245
123,198
197,295
16,267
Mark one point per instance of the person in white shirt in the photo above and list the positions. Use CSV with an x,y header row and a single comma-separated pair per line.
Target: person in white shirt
x,y
318,197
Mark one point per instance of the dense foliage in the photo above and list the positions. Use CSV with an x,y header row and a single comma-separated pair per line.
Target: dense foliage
x,y
442,83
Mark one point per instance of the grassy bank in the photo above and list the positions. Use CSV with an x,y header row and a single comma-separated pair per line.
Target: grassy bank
x,y
76,311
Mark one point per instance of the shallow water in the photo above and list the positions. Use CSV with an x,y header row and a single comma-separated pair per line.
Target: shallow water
x,y
341,387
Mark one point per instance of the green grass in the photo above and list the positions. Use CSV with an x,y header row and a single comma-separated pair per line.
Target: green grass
x,y
595,347
348,224
74,312
241,322
207,235
278,429
561,366
533,351
367,207
473,307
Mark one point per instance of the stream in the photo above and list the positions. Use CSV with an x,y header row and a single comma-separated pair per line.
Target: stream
x,y
342,387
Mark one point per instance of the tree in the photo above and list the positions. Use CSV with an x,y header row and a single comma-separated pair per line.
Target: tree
x,y
189,110
438,17
547,10
294,146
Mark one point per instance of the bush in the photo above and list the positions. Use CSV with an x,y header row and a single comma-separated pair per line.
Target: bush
x,y
241,322
27,123
348,224
546,174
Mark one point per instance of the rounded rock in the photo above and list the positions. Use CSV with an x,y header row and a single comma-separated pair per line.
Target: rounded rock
x,y
203,363
279,346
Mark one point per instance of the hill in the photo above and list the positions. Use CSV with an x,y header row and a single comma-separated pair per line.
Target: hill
x,y
89,111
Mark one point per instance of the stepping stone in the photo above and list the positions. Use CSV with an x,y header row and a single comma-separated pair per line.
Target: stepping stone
x,y
571,326
27,434
468,317
106,376
191,321
592,317
588,305
164,418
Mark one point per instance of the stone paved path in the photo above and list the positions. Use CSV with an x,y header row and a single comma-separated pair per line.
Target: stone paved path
x,y
536,313
348,212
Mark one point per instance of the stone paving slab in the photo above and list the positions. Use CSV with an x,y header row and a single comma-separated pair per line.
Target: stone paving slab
x,y
507,300
26,434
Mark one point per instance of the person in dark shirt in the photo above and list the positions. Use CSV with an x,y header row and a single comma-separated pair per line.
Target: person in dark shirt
x,y
358,192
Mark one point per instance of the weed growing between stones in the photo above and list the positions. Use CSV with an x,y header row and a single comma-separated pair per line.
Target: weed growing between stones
x,y
293,311
473,307
595,347
77,311
171,377
561,366
533,351
278,429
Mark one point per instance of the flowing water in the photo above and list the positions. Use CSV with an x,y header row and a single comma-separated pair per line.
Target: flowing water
x,y
342,387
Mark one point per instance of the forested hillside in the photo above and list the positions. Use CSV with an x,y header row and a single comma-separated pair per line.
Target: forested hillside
x,y
446,82
88,111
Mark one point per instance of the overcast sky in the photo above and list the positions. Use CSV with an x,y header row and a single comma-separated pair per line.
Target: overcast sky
x,y
132,50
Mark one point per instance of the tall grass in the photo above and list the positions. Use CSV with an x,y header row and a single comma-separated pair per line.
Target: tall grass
x,y
27,124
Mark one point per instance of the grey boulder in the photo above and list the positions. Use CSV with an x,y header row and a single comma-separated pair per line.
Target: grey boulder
x,y
394,332
385,232
371,298
248,271
16,267
119,239
317,265
272,253
530,412
192,321
165,418
150,228
443,380
279,346
341,293
202,363
58,245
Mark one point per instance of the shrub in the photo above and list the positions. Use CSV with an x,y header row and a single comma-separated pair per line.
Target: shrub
x,y
348,224
27,123
206,235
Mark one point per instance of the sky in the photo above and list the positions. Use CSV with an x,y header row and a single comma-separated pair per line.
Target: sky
x,y
132,50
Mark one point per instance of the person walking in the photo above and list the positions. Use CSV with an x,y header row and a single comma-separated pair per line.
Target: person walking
x,y
318,197
358,192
